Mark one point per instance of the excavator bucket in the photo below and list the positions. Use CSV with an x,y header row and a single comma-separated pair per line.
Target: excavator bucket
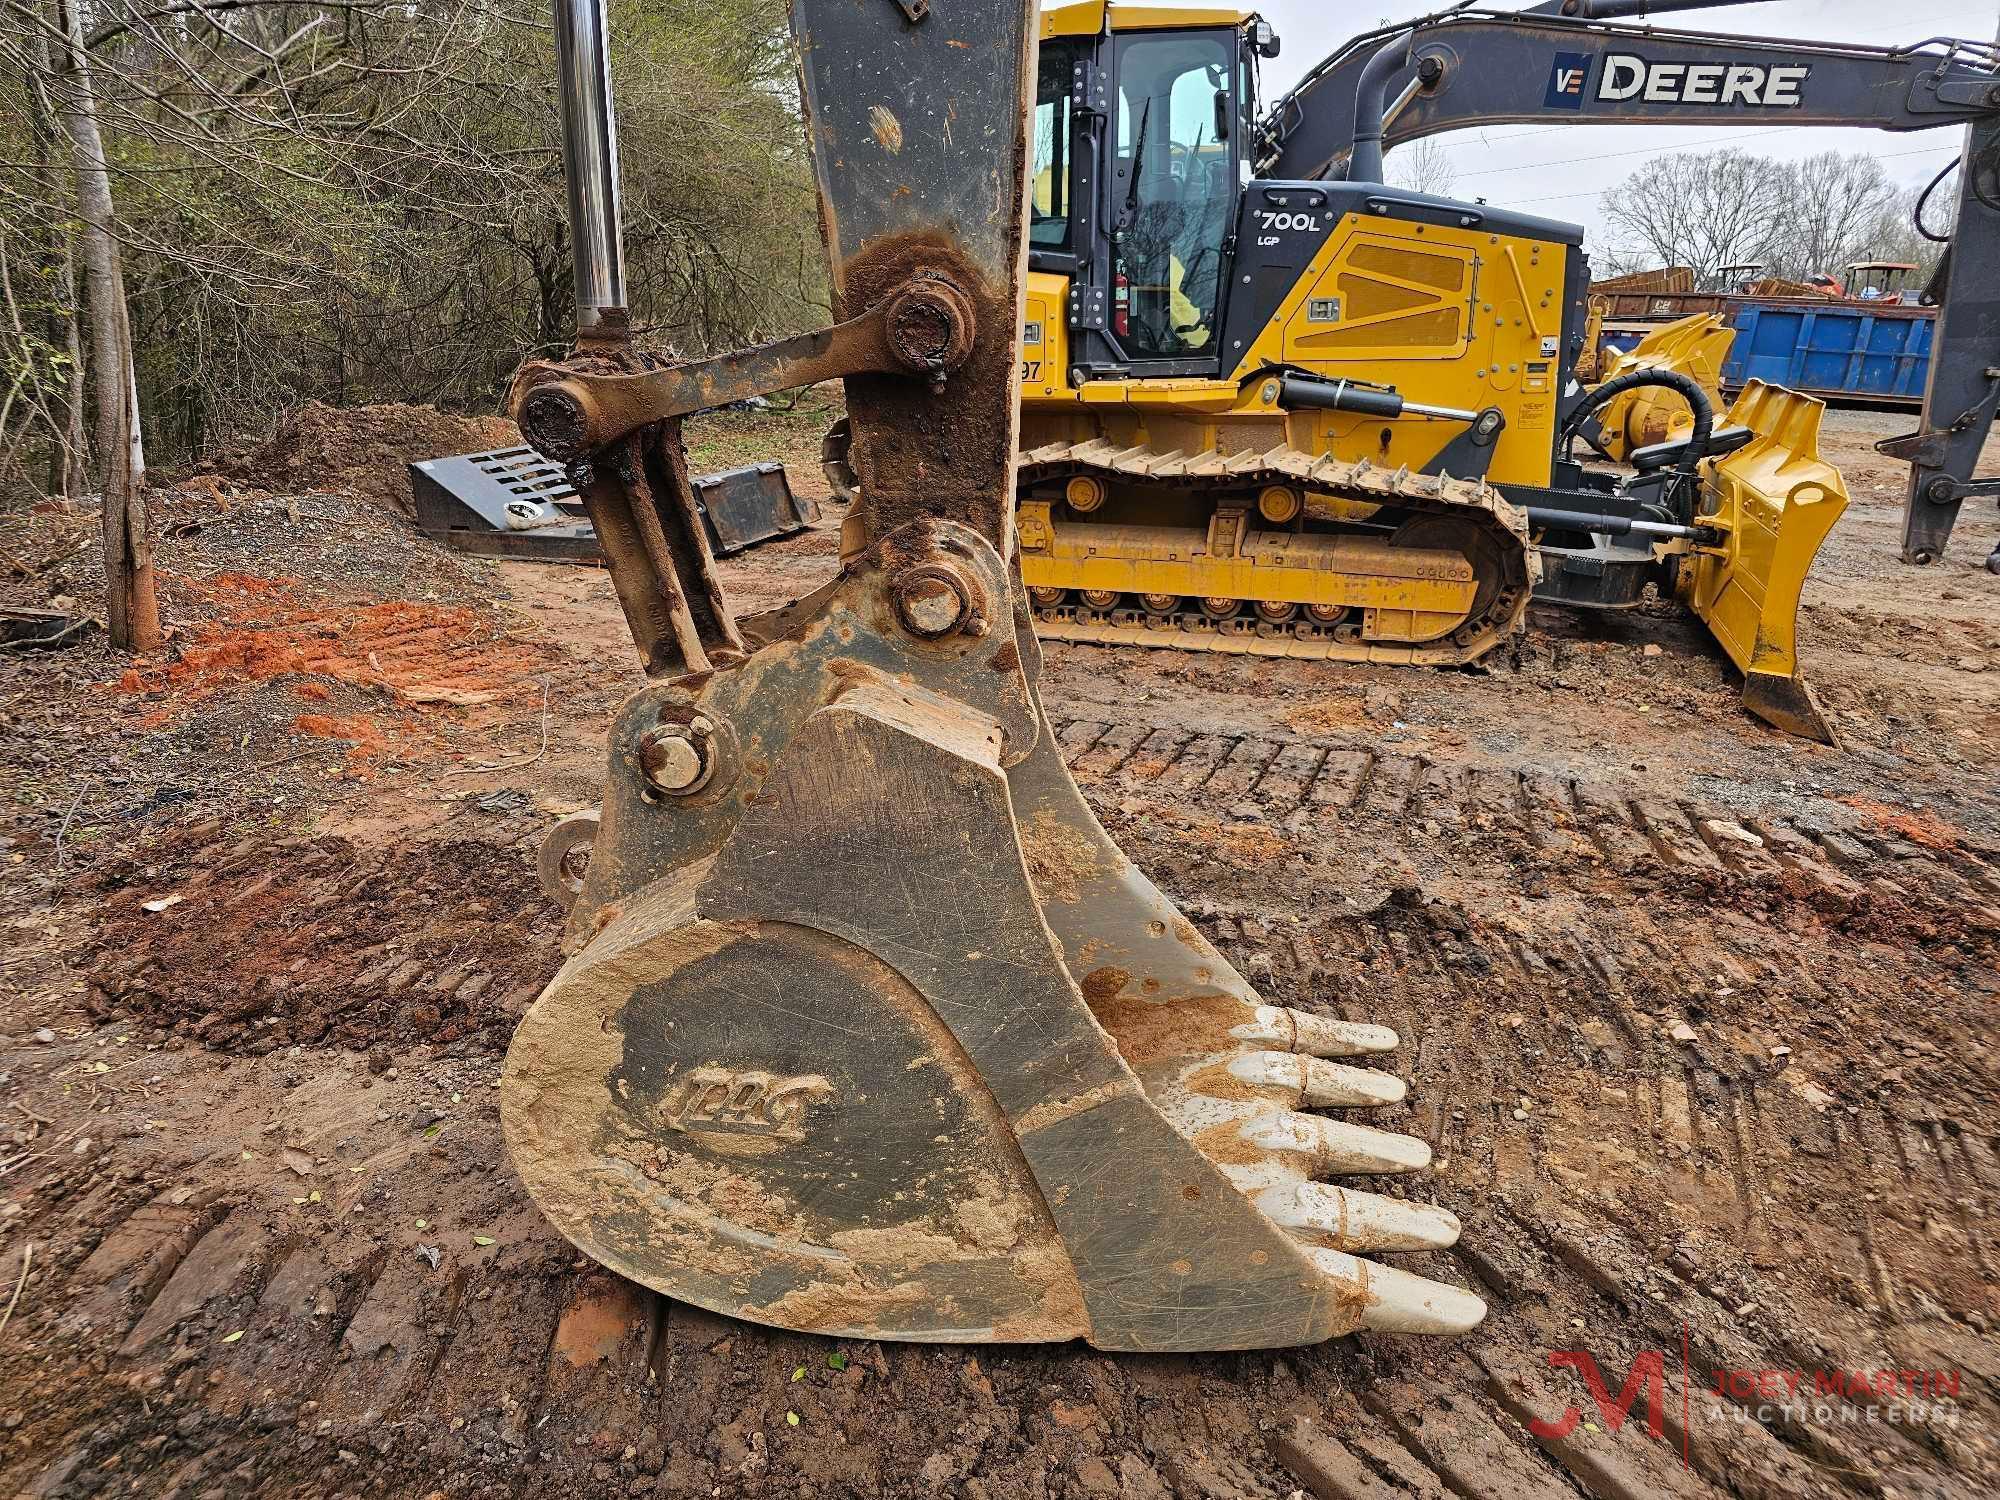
x,y
1695,346
1773,502
867,1027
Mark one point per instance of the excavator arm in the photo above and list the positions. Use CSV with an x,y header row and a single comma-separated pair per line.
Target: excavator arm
x,y
1468,67
1573,65
867,1027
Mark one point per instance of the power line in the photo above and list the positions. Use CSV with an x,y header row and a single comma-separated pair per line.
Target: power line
x,y
1594,192
1571,161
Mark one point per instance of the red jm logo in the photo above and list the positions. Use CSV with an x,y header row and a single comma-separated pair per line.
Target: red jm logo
x,y
1648,1373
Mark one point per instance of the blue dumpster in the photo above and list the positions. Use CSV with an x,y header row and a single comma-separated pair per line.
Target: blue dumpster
x,y
1878,351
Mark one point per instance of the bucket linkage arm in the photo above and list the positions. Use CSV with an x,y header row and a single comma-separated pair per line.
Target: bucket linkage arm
x,y
867,1027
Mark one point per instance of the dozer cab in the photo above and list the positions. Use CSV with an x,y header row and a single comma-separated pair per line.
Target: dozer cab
x,y
1272,405
867,1027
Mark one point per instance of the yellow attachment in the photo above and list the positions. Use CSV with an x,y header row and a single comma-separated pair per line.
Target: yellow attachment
x,y
1694,346
1088,17
1084,18
1774,499
1593,342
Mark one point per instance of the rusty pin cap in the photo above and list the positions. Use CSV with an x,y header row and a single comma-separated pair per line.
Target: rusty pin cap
x,y
930,325
678,759
552,420
934,600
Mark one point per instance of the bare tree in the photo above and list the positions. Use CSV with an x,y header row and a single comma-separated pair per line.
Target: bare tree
x,y
245,204
362,199
1893,234
1706,209
132,610
1833,205
1423,166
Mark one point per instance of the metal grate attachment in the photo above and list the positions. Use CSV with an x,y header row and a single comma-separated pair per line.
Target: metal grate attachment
x,y
512,502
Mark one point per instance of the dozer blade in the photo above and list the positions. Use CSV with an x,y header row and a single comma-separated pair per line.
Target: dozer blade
x,y
1774,501
868,1028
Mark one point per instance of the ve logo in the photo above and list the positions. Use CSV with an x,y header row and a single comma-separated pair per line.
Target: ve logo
x,y
1566,77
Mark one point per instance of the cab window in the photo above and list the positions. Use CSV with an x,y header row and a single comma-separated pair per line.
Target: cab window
x,y
1174,188
1048,218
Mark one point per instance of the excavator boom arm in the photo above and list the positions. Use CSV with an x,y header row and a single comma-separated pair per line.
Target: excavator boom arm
x,y
868,1028
1464,67
1488,68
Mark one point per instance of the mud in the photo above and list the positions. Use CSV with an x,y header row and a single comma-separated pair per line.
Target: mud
x,y
1696,1020
946,452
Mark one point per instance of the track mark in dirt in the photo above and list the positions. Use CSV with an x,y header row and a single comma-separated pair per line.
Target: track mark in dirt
x,y
267,944
1648,1182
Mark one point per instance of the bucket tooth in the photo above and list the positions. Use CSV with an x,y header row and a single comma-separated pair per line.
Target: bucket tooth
x,y
1349,1219
1313,1081
1318,1036
1394,1301
1334,1145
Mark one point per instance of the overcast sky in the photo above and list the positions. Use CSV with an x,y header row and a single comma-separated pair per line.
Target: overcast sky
x,y
1561,171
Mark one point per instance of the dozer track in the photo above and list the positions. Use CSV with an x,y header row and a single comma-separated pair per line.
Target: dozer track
x,y
1441,587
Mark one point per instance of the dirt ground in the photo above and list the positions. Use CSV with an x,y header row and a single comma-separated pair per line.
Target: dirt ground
x,y
366,450
1697,1020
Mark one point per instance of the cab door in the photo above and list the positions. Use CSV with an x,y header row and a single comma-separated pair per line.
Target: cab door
x,y
1171,194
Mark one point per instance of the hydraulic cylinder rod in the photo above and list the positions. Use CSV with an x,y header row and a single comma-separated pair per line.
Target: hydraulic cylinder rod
x,y
590,160
1344,395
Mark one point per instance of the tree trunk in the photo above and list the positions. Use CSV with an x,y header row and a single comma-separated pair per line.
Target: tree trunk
x,y
132,610
67,463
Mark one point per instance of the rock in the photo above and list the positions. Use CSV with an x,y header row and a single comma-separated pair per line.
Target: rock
x,y
1972,664
45,1036
1137,1481
1651,650
1094,1477
1682,1032
939,1470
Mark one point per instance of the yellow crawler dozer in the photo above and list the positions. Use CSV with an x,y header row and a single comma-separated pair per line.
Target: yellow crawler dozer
x,y
1334,419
